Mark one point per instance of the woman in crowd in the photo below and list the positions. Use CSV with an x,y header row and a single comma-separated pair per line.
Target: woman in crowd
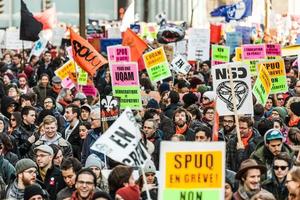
x,y
293,183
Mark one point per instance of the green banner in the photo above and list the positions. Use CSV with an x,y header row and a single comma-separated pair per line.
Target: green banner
x,y
159,72
220,53
180,194
130,96
279,85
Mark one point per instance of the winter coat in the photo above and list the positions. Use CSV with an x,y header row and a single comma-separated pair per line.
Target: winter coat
x,y
7,170
13,192
279,190
75,140
170,109
5,102
53,182
235,157
41,92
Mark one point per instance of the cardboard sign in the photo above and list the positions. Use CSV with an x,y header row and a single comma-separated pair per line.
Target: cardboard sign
x,y
273,49
63,71
276,69
118,53
198,44
39,47
89,90
121,142
180,65
241,84
130,96
252,64
220,54
110,108
82,78
157,65
67,83
192,170
12,40
254,51
262,86
124,74
233,40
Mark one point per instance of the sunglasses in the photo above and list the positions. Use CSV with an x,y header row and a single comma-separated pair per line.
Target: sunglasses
x,y
12,119
281,167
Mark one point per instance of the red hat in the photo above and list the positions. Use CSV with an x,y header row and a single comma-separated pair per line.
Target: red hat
x,y
129,192
22,75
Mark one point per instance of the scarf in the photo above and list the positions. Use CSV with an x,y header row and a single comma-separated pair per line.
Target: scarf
x,y
246,195
181,130
246,139
294,121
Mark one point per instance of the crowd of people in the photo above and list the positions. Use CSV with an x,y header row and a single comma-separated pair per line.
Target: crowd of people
x,y
46,132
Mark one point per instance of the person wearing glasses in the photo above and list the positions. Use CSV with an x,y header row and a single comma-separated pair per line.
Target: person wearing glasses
x,y
85,185
293,183
276,185
48,173
227,131
26,171
272,146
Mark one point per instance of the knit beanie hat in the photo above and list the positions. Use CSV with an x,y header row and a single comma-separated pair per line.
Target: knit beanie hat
x,y
210,95
281,111
164,87
152,103
94,161
129,192
24,164
295,107
33,190
149,167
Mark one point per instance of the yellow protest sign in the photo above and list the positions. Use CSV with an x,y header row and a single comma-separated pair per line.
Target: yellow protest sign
x,y
154,57
238,54
63,71
192,169
262,86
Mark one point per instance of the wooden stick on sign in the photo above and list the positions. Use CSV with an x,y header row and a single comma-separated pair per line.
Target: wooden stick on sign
x,y
236,117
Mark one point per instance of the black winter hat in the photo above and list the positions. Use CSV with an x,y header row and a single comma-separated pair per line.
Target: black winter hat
x,y
33,190
295,108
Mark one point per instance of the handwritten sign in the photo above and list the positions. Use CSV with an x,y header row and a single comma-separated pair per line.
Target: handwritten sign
x,y
89,90
118,53
262,86
125,73
63,71
130,96
254,51
220,54
273,50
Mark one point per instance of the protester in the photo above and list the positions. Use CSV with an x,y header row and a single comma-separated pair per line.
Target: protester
x,y
293,183
33,192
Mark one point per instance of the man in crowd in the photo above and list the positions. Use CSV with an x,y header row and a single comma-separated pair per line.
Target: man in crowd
x,y
228,130
25,175
48,174
237,152
85,185
71,133
51,136
203,134
181,121
69,168
272,146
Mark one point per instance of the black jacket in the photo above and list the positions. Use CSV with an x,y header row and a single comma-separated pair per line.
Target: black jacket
x,y
53,182
75,141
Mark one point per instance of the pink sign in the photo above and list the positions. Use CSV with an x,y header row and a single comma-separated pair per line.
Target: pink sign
x,y
118,53
124,74
215,62
253,51
67,83
89,90
273,49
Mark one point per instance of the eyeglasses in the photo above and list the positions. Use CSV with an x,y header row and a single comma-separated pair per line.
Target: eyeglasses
x,y
280,99
85,182
48,102
281,167
12,119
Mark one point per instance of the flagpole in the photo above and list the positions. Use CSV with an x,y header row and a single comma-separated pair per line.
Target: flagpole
x,y
23,55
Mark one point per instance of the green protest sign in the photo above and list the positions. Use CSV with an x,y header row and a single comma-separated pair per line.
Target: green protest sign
x,y
82,77
262,86
192,194
130,96
159,72
220,53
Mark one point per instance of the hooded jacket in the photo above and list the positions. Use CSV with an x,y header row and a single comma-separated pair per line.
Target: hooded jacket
x,y
5,102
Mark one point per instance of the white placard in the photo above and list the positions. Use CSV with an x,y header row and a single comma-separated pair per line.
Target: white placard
x,y
58,34
180,65
198,44
241,84
12,40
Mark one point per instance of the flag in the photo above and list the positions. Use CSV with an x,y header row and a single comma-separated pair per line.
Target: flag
x,y
29,27
128,17
85,55
47,18
136,44
236,11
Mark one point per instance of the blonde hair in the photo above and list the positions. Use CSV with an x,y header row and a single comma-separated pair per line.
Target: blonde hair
x,y
49,120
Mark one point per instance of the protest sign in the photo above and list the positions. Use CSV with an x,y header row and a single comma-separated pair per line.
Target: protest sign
x,y
180,65
157,65
192,170
118,53
58,34
130,96
82,78
69,52
215,33
114,32
246,33
106,42
233,40
198,44
252,54
276,69
110,108
169,51
38,47
89,90
12,40
123,136
85,55
67,83
262,86
238,54
124,74
273,50
180,48
241,83
220,54
63,71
